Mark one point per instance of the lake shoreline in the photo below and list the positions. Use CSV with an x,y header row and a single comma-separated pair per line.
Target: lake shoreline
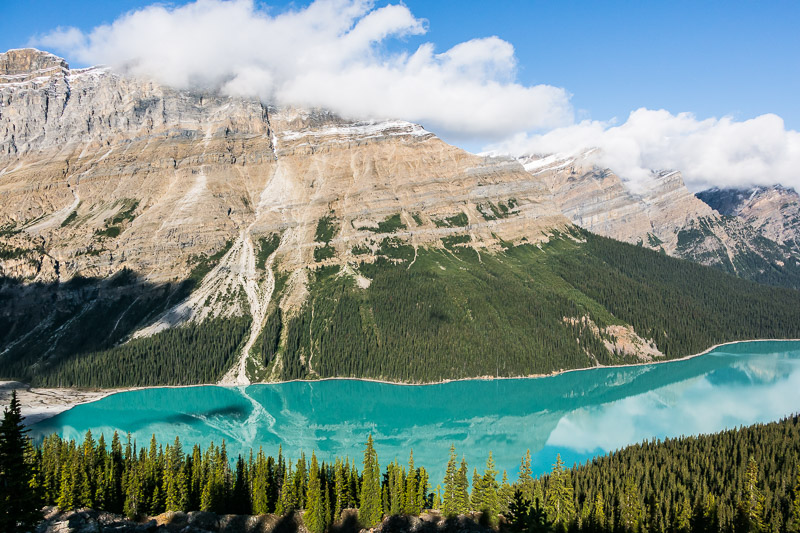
x,y
38,404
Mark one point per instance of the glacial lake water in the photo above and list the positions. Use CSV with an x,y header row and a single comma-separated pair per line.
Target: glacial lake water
x,y
577,414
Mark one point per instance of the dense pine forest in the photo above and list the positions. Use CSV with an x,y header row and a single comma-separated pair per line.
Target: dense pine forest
x,y
457,313
179,356
745,479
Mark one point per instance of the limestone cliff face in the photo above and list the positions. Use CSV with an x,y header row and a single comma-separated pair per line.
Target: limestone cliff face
x,y
661,213
772,211
100,172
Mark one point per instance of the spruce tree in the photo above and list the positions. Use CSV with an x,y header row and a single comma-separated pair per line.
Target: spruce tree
x,y
462,503
411,503
287,501
328,509
597,517
370,511
66,495
750,514
260,486
504,494
449,506
19,509
133,494
559,498
489,503
630,506
314,515
339,489
396,489
476,496
422,490
525,481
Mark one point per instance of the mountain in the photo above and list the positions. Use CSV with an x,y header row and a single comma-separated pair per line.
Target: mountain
x,y
150,235
662,214
773,211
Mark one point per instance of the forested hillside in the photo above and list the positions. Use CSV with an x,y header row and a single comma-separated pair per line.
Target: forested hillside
x,y
456,312
435,313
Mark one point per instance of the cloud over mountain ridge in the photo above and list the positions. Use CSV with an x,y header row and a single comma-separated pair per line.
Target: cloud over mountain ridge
x,y
350,56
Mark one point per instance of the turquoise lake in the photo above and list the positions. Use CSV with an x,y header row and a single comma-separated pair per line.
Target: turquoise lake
x,y
578,414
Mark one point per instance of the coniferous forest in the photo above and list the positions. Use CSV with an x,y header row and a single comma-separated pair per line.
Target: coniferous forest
x,y
436,313
745,479
458,313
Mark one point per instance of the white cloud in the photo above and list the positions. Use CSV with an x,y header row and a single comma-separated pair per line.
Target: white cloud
x,y
330,54
711,152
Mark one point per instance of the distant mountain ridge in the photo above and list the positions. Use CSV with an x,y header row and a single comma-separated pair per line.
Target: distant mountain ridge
x,y
150,235
772,211
665,215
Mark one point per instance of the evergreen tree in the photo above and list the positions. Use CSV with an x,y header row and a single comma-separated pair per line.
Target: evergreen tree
x,y
287,501
411,503
462,503
328,510
489,500
751,507
396,489
504,495
370,511
340,489
630,506
559,499
525,481
683,521
422,490
526,517
448,504
66,495
133,494
240,502
19,509
301,481
597,516
314,515
260,485
476,496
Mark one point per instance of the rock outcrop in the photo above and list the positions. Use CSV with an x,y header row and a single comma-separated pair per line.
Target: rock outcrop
x,y
91,521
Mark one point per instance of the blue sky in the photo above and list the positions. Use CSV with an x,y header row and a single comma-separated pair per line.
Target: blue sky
x,y
709,88
710,58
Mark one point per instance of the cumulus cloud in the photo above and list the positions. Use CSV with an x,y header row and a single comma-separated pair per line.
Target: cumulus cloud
x,y
712,152
332,54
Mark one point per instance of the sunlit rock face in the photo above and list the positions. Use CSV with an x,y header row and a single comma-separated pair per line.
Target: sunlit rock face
x,y
100,172
772,211
661,213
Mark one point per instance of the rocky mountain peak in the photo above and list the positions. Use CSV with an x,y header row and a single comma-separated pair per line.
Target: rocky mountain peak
x,y
24,64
